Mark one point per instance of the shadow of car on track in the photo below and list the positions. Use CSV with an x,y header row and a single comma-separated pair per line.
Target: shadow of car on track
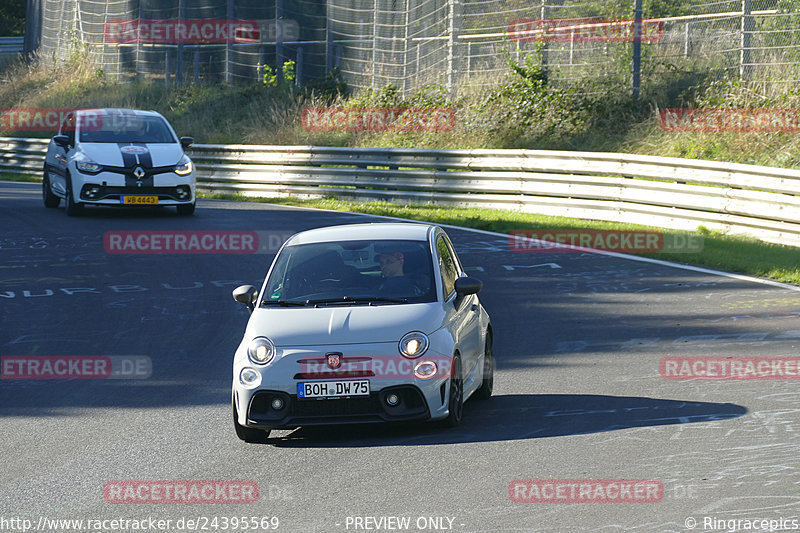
x,y
519,416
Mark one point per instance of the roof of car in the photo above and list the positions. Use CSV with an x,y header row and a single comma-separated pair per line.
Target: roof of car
x,y
119,111
356,232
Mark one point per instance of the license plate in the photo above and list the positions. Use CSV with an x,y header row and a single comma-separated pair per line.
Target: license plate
x,y
139,200
333,389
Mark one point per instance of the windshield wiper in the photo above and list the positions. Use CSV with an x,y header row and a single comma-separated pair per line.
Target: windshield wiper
x,y
284,303
362,299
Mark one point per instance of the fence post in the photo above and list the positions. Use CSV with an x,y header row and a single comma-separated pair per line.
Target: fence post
x,y
748,26
405,49
179,52
298,71
453,27
328,39
571,46
196,65
228,51
374,44
469,59
687,40
138,60
278,40
167,67
637,48
545,51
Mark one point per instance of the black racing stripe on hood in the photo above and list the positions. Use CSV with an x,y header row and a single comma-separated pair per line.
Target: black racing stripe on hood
x,y
128,160
145,159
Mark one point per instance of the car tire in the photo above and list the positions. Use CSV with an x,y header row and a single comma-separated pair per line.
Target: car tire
x,y
250,435
455,396
185,210
49,199
484,392
73,208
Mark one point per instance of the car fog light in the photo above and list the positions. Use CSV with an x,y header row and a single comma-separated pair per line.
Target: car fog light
x,y
277,403
250,377
425,369
393,399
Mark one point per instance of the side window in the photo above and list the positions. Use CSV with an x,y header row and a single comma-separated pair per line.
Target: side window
x,y
447,266
68,128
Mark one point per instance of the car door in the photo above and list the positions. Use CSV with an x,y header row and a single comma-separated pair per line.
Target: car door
x,y
58,163
463,312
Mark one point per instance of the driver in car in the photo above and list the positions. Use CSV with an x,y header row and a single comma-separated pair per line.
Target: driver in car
x,y
393,279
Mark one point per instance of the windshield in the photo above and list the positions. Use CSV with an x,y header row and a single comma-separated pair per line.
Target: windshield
x,y
126,129
367,272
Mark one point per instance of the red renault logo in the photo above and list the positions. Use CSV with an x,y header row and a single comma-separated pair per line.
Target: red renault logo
x,y
334,359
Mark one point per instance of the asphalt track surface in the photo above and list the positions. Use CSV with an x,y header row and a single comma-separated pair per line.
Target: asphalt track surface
x,y
578,394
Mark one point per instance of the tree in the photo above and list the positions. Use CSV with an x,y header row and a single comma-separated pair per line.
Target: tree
x,y
12,18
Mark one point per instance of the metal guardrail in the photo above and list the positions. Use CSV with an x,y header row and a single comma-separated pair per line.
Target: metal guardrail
x,y
762,202
11,45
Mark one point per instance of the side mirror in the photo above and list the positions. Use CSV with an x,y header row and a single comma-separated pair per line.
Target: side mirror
x,y
61,140
465,286
186,142
246,294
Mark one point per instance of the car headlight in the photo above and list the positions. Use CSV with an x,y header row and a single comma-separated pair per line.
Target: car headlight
x,y
261,350
88,166
413,344
184,166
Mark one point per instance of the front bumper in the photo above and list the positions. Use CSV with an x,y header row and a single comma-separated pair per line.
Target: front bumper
x,y
301,412
108,187
420,399
112,195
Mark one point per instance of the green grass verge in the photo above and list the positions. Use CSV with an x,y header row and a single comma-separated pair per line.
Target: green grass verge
x,y
723,252
20,177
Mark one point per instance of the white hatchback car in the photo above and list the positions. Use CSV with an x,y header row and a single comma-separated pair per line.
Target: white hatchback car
x,y
361,323
118,157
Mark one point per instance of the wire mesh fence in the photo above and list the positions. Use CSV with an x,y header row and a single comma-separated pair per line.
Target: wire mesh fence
x,y
457,44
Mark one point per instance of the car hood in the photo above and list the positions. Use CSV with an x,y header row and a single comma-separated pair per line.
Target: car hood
x,y
344,325
112,154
